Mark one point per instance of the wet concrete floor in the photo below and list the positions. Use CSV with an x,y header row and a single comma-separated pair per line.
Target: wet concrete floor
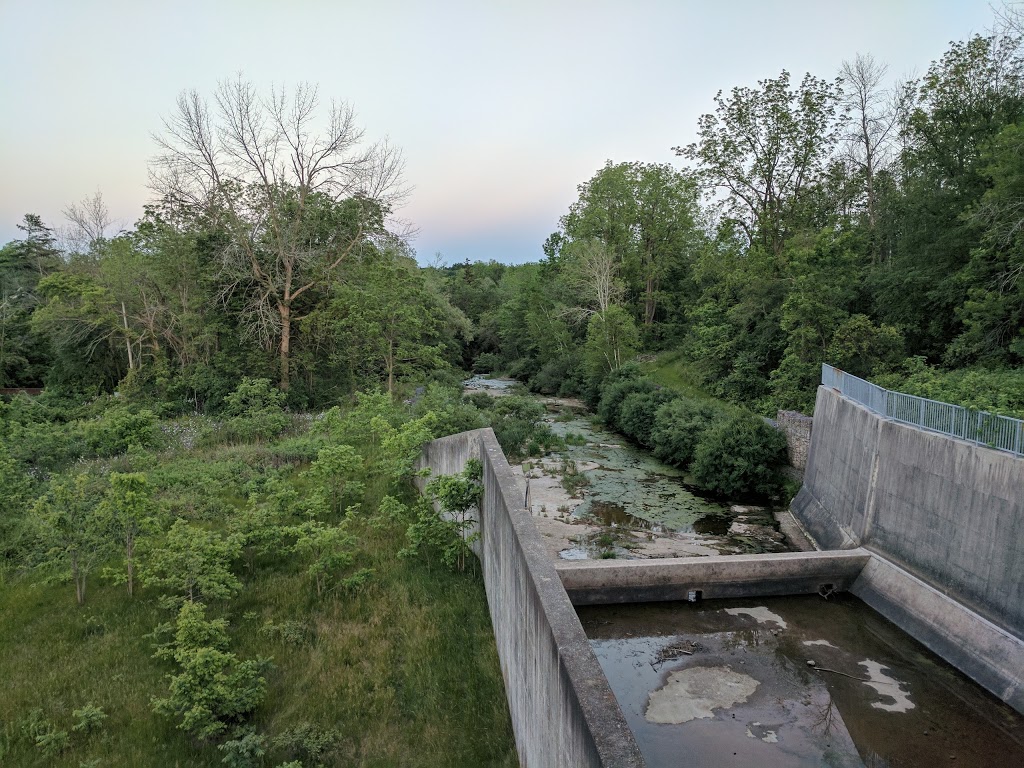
x,y
731,683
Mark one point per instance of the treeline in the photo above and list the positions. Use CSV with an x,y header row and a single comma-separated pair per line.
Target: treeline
x,y
875,227
832,220
268,252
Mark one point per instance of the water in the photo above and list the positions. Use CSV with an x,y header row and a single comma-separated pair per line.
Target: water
x,y
651,507
628,486
728,683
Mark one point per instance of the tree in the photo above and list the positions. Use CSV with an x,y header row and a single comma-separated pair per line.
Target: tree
x,y
90,220
872,125
765,148
72,534
329,549
194,563
332,471
391,322
646,214
612,339
212,687
129,512
294,204
591,269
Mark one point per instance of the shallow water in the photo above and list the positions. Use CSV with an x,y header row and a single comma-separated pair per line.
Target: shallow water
x,y
874,696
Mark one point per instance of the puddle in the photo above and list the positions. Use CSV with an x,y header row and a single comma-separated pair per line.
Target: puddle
x,y
712,525
873,696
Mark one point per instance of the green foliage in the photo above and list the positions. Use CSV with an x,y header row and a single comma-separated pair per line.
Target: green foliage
x,y
254,411
310,744
194,563
212,687
637,415
15,494
739,455
332,473
679,427
612,340
999,391
245,750
328,551
71,534
120,429
88,719
128,511
615,392
448,529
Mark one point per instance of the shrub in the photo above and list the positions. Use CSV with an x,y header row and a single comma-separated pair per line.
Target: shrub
x,y
612,395
679,426
212,686
119,429
739,455
637,414
254,411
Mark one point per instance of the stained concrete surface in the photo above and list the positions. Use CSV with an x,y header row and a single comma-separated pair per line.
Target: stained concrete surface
x,y
873,695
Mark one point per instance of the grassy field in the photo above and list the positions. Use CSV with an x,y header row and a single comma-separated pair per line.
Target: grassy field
x,y
402,671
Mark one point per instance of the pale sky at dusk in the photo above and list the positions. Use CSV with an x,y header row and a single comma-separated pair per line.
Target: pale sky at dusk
x,y
501,108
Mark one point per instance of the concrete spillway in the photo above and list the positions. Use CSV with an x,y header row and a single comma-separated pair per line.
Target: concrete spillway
x,y
944,565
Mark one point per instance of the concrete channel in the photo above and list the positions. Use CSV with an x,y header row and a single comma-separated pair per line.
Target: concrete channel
x,y
563,706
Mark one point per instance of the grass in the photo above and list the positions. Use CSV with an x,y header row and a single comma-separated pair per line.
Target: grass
x,y
405,669
673,371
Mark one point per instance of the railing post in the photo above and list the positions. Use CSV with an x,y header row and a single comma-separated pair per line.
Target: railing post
x,y
1017,438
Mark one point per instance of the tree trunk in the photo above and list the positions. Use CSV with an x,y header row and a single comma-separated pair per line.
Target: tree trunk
x,y
649,301
390,363
129,558
127,338
286,342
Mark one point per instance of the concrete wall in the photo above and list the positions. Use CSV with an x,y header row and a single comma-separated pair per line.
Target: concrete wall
x,y
945,510
596,582
563,710
943,513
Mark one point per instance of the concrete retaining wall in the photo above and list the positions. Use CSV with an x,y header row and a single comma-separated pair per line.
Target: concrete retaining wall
x,y
595,582
563,710
947,514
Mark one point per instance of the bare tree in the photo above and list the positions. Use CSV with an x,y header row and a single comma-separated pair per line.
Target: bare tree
x,y
296,195
592,271
872,122
89,221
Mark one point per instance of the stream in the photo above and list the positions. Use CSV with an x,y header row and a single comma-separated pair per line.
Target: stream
x,y
602,497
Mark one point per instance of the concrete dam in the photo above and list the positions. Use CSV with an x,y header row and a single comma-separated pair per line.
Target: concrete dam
x,y
926,530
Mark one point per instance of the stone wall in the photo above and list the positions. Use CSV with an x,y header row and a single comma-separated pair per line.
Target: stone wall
x,y
563,710
797,429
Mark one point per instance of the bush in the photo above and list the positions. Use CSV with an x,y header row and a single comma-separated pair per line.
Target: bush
x,y
119,429
212,687
612,395
637,414
739,455
254,411
679,427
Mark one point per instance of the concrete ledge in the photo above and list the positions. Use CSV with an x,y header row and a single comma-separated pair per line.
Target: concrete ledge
x,y
590,582
563,710
981,650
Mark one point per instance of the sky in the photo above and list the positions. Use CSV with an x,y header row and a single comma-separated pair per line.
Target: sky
x,y
501,107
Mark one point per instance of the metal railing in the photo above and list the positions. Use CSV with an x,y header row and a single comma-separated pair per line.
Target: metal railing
x,y
1000,432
